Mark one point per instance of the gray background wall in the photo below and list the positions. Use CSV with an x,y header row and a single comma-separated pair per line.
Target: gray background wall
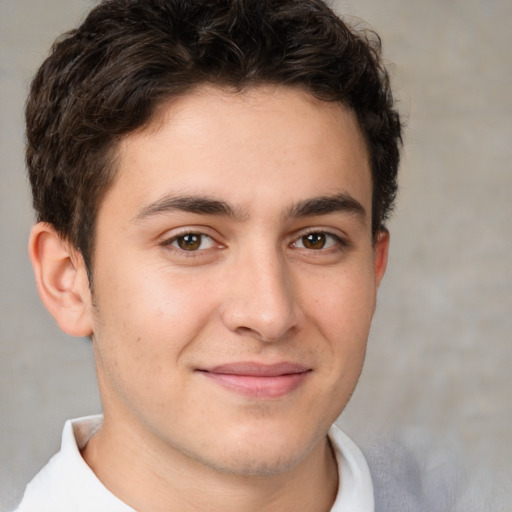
x,y
437,384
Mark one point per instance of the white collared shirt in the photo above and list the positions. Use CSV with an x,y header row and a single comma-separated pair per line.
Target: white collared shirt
x,y
68,484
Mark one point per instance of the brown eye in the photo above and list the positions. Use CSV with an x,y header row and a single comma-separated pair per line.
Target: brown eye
x,y
318,241
314,240
189,242
192,242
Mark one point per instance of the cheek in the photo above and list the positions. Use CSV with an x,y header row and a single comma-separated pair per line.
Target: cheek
x,y
145,321
145,329
339,318
344,307
343,313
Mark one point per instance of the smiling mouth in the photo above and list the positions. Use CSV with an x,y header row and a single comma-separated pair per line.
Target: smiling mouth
x,y
258,380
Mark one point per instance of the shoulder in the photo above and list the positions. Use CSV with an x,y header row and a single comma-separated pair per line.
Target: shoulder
x,y
407,481
66,483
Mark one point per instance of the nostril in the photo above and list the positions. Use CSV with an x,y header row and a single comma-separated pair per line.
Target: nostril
x,y
266,333
246,331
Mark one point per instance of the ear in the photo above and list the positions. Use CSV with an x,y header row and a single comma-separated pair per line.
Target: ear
x,y
61,279
380,256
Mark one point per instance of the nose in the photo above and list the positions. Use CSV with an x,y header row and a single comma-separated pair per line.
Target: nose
x,y
260,299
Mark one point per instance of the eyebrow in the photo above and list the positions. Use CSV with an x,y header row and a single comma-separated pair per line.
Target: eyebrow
x,y
325,205
192,204
202,205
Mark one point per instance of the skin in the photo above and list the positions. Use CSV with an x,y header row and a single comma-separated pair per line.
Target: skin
x,y
261,270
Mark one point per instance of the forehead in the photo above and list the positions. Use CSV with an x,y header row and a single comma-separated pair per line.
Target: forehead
x,y
241,146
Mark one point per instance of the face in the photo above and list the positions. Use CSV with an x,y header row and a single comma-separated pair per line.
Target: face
x,y
235,277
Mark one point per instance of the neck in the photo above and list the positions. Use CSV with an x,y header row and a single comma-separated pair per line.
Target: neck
x,y
154,478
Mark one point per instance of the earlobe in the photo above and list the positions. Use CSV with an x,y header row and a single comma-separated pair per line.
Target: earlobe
x,y
61,279
380,257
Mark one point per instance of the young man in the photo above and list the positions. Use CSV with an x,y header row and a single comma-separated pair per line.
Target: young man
x,y
212,180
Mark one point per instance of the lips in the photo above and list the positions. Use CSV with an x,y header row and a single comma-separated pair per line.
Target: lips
x,y
258,380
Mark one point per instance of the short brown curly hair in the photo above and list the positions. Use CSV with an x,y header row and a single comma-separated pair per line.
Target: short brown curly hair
x,y
104,80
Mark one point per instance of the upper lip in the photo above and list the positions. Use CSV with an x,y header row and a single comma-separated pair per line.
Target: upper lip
x,y
253,369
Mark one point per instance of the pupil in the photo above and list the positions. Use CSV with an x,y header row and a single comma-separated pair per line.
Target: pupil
x,y
314,241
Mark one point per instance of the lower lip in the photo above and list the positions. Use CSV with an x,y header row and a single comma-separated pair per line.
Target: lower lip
x,y
259,386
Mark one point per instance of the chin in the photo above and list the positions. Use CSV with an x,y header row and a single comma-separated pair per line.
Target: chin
x,y
260,455
257,465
